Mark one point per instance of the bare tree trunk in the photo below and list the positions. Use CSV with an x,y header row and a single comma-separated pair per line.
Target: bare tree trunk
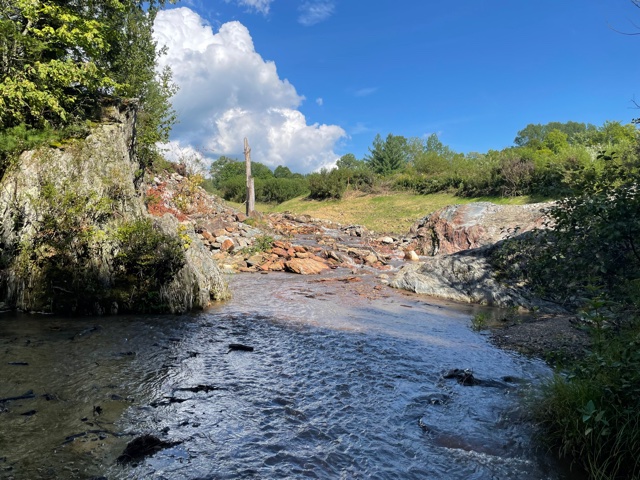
x,y
251,193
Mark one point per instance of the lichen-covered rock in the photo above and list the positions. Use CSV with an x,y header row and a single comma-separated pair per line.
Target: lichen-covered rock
x,y
461,227
199,281
75,236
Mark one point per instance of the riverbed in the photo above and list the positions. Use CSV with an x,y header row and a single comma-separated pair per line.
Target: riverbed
x,y
346,380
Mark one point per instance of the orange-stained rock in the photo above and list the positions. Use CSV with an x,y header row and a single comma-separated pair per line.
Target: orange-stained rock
x,y
277,266
299,249
303,255
305,266
281,244
227,245
281,252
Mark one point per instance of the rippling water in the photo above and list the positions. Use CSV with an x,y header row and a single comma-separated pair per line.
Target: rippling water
x,y
341,384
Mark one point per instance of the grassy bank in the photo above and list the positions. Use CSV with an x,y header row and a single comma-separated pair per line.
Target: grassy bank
x,y
390,213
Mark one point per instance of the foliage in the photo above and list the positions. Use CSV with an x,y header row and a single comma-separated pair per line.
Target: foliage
x,y
592,415
389,155
479,321
278,189
261,243
58,59
146,256
327,184
593,246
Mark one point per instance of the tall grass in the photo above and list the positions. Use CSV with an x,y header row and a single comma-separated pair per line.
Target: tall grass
x,y
592,414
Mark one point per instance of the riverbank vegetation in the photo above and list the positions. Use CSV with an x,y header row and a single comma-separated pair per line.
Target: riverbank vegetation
x,y
590,263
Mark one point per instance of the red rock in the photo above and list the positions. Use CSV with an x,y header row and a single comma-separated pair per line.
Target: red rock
x,y
281,244
461,227
277,266
208,236
305,266
240,217
227,245
281,252
303,255
299,249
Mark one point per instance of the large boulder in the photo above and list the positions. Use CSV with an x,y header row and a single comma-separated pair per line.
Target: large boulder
x,y
461,227
464,277
75,236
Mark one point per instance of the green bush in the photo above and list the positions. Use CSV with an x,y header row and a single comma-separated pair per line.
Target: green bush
x,y
278,190
592,415
327,184
147,254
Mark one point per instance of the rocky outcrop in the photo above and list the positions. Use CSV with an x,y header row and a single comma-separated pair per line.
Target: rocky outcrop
x,y
75,235
466,277
461,227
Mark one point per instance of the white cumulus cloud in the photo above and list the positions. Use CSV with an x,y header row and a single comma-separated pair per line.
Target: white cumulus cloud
x,y
228,92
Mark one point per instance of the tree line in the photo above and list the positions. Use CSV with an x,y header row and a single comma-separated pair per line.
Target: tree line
x,y
550,160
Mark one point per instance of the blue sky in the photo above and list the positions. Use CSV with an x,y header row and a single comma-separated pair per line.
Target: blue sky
x,y
308,81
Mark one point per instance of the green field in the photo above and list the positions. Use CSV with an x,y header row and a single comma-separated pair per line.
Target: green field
x,y
390,213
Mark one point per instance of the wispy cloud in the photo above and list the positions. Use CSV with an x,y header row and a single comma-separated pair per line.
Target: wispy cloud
x,y
315,12
261,6
319,101
359,128
365,92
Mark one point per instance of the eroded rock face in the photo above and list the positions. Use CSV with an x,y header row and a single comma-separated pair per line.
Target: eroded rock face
x,y
461,227
73,226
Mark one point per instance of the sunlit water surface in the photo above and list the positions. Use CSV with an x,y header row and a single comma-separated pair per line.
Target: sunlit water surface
x,y
339,385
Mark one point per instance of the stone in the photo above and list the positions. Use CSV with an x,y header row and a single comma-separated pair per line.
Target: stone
x,y
305,266
281,252
227,245
411,256
461,227
465,277
387,240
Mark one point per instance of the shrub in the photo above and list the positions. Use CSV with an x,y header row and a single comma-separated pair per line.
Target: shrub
x,y
592,415
327,184
278,190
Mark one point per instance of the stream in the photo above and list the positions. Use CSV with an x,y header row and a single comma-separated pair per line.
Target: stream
x,y
345,381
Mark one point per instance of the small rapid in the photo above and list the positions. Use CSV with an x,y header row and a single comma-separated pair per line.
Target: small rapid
x,y
344,381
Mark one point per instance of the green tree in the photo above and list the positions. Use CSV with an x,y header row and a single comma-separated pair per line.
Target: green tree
x,y
282,172
58,58
534,135
348,161
556,140
387,156
225,168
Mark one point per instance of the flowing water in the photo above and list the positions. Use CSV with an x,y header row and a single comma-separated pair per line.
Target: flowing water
x,y
344,381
